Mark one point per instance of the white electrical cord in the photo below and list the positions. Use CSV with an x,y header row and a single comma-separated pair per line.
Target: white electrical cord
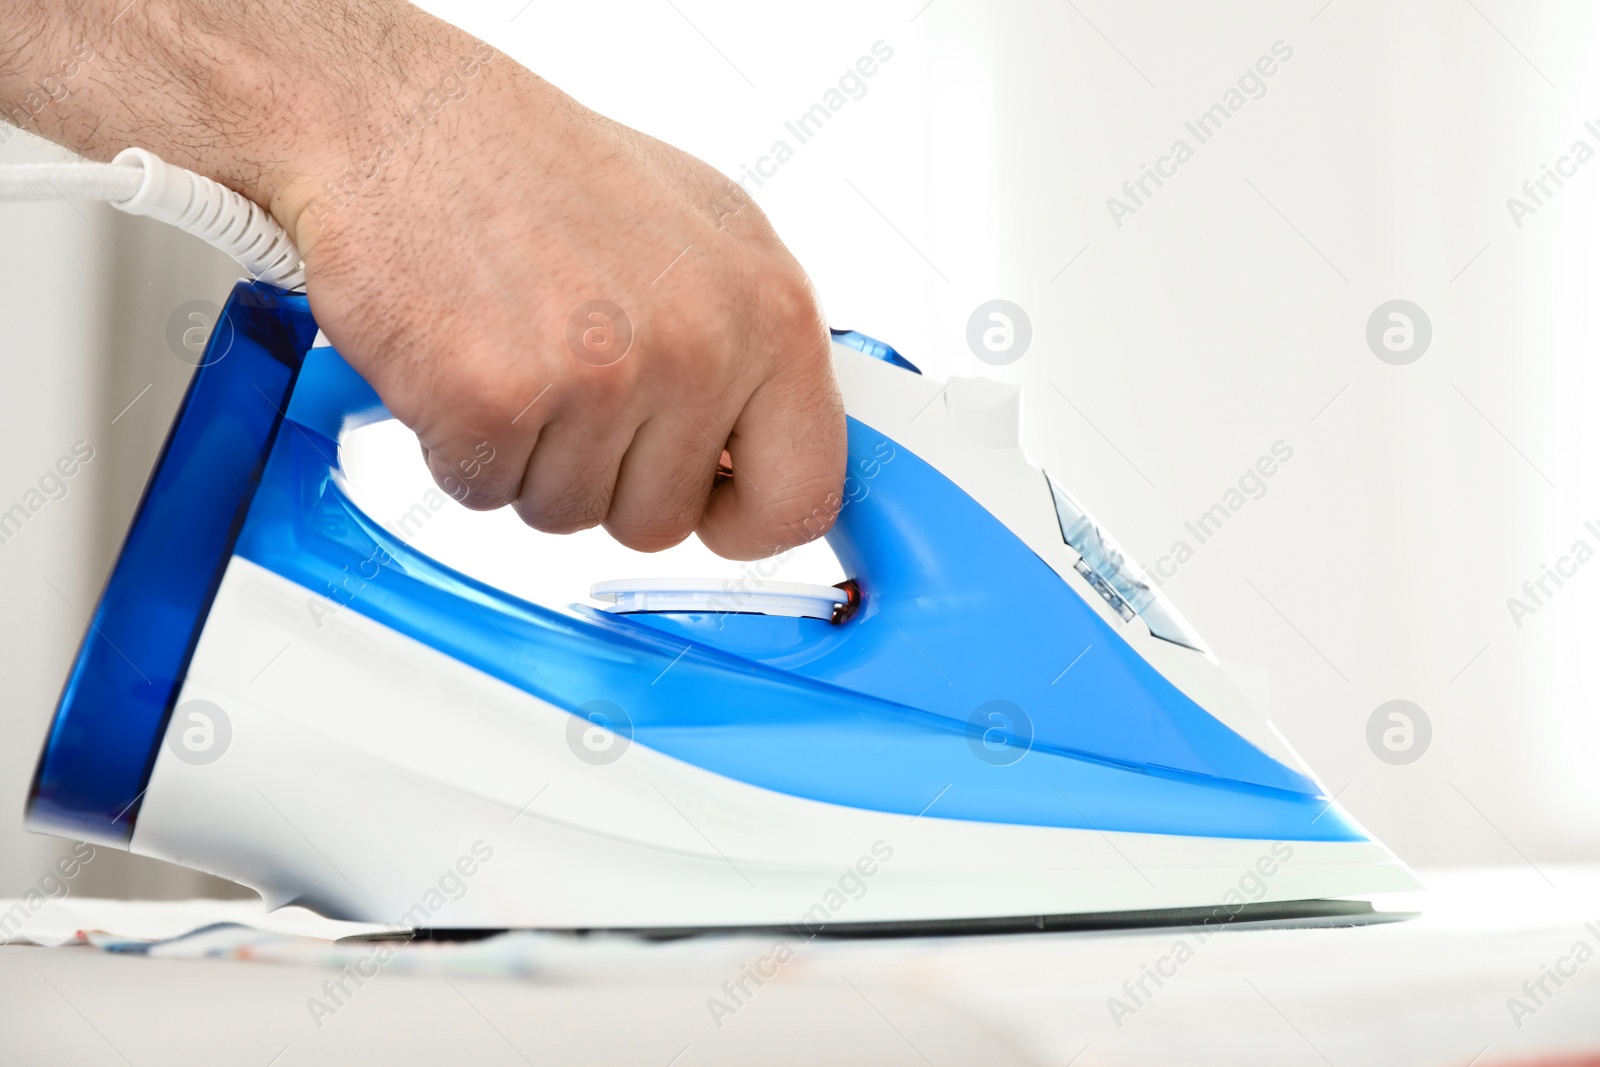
x,y
141,183
69,181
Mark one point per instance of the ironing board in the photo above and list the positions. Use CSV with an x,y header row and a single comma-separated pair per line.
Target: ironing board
x,y
1434,990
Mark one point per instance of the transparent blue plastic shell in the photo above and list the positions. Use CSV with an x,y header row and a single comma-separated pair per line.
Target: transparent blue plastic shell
x,y
113,711
945,694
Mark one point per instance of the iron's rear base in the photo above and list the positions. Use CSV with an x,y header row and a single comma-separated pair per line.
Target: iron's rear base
x,y
1273,914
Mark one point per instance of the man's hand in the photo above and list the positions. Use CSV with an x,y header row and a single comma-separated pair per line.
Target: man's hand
x,y
576,319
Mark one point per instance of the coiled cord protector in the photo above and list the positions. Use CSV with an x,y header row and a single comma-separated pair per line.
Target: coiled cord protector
x,y
142,183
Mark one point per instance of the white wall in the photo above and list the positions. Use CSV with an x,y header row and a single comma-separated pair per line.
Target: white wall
x,y
85,294
52,283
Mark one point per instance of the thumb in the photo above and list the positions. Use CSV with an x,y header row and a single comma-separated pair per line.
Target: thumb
x,y
787,456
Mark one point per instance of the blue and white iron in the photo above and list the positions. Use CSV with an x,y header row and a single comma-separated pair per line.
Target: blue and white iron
x,y
995,722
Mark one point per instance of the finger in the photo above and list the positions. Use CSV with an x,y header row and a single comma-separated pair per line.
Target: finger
x,y
571,474
787,455
474,476
477,453
664,482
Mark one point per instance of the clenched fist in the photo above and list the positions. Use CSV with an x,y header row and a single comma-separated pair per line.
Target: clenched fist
x,y
611,319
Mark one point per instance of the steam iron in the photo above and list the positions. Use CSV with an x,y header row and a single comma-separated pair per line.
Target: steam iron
x,y
996,722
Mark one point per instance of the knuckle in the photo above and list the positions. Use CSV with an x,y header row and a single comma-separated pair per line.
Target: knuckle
x,y
476,397
685,342
488,497
575,505
604,392
789,307
471,478
668,516
487,404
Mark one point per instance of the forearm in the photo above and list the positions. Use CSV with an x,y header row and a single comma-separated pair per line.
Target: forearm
x,y
262,95
460,219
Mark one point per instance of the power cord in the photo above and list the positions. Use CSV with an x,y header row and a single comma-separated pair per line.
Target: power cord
x,y
142,183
